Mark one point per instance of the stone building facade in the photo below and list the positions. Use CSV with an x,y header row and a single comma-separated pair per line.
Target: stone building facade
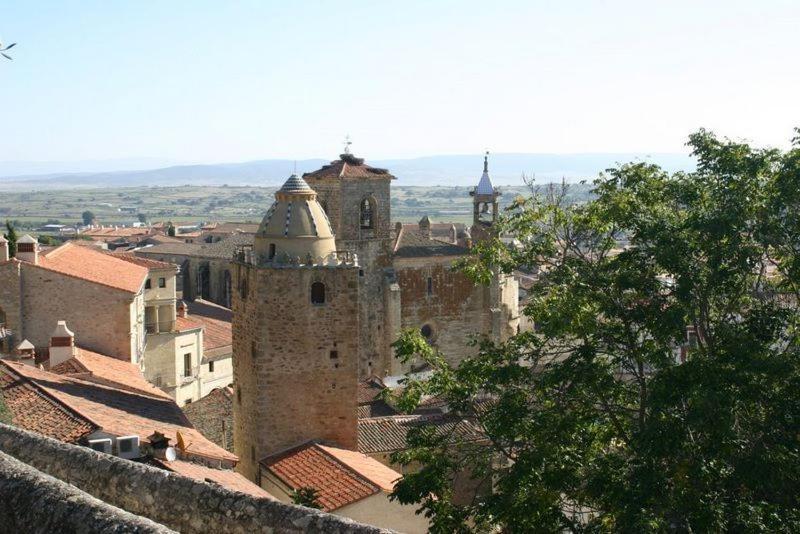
x,y
295,334
324,290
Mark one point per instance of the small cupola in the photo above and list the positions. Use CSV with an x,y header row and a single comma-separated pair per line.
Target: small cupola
x,y
25,353
296,229
62,344
28,249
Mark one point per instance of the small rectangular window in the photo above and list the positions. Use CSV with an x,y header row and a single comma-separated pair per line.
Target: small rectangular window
x,y
334,354
210,367
148,284
187,364
430,286
162,282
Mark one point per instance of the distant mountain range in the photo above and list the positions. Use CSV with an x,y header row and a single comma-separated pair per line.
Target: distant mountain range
x,y
459,170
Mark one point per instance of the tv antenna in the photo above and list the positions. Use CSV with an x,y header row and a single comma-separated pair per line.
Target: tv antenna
x,y
347,143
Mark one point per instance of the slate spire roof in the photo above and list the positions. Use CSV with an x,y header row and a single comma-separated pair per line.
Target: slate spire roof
x,y
485,187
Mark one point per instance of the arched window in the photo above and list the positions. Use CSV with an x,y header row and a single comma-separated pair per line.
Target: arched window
x,y
368,213
317,293
2,318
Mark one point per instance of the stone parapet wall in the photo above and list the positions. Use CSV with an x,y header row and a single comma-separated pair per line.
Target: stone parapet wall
x,y
35,502
178,502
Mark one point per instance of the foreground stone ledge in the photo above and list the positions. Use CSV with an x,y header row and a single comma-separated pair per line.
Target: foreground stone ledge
x,y
178,502
32,501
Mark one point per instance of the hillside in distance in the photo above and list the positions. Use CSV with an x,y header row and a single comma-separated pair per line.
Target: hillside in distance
x,y
455,170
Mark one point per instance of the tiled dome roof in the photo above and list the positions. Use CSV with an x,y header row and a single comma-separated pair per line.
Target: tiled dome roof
x,y
295,226
294,184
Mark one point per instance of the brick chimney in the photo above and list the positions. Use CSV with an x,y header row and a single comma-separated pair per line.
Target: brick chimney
x,y
3,248
62,344
28,249
425,227
182,309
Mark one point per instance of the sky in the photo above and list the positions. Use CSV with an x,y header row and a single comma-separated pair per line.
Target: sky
x,y
203,82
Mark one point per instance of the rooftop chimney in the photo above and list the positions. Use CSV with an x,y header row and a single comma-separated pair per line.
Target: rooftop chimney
x,y
28,249
26,353
182,309
425,227
3,248
62,344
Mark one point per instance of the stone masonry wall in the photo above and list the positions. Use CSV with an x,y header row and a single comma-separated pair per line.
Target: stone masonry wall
x,y
180,503
35,502
288,387
10,302
456,309
100,316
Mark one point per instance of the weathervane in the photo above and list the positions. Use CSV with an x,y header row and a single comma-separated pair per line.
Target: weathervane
x,y
347,143
486,161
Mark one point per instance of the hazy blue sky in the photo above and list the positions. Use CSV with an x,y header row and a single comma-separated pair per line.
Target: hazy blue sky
x,y
227,81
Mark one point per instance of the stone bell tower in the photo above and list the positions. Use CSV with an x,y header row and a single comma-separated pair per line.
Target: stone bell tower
x,y
484,204
295,333
356,199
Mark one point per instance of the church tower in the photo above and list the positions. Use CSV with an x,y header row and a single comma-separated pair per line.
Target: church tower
x,y
295,333
484,204
356,198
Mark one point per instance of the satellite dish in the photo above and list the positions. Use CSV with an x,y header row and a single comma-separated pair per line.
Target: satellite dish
x,y
170,454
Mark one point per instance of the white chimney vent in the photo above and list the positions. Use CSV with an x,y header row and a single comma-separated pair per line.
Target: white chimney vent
x,y
101,445
28,249
62,344
128,447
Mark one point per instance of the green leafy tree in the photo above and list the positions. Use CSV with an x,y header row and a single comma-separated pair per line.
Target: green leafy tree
x,y
87,217
170,229
142,217
11,236
660,390
306,496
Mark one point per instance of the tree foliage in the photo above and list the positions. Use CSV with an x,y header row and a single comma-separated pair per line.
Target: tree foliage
x,y
596,421
88,217
306,496
11,236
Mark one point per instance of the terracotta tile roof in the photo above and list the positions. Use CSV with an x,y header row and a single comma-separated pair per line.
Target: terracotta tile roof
x,y
34,410
232,228
109,371
412,244
116,232
226,478
153,265
166,249
223,249
340,477
347,166
212,415
379,474
94,266
216,321
121,412
182,324
369,402
389,434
